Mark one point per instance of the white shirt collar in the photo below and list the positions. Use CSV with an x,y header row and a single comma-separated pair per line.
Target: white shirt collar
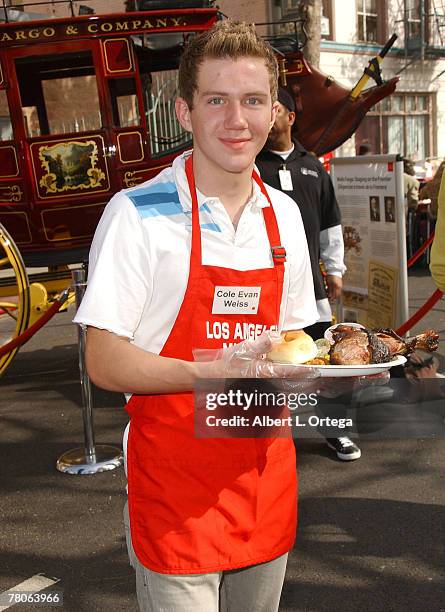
x,y
283,154
257,199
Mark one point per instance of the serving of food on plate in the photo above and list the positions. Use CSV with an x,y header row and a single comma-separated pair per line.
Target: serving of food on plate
x,y
349,349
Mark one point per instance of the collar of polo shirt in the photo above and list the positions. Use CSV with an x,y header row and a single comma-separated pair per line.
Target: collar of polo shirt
x,y
257,199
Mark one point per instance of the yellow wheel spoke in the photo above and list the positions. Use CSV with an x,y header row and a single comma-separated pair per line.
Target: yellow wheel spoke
x,y
14,277
7,308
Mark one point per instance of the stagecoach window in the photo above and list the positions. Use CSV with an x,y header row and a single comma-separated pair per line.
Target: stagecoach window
x,y
58,93
124,102
159,90
72,104
5,119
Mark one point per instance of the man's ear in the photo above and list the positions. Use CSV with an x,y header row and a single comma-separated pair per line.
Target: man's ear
x,y
291,118
183,114
273,113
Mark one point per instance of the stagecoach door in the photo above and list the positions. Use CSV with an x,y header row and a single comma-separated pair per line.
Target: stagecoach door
x,y
83,119
141,78
60,118
125,119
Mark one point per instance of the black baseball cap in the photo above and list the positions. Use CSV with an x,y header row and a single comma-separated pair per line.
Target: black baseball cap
x,y
286,99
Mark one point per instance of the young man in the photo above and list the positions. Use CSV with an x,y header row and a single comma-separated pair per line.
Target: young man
x,y
286,165
212,520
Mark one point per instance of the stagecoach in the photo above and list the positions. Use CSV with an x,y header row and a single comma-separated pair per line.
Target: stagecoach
x,y
87,109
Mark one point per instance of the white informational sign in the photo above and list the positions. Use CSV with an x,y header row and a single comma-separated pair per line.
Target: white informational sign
x,y
370,194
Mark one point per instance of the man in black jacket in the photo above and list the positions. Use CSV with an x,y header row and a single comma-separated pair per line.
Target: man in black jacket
x,y
286,165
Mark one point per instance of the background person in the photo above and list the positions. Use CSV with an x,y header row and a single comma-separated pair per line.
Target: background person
x,y
437,260
364,149
430,191
212,520
411,200
286,165
411,186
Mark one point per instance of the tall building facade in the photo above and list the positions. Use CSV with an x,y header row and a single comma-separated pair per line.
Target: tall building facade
x,y
410,122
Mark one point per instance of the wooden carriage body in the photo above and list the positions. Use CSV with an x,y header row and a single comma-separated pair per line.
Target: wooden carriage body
x,y
86,109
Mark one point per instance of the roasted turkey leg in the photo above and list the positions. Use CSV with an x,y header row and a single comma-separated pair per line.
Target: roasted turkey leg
x,y
427,341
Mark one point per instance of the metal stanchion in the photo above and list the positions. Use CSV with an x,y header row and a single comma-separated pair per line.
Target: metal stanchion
x,y
91,458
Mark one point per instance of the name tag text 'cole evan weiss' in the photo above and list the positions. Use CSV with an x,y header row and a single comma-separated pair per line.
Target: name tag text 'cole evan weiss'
x,y
236,300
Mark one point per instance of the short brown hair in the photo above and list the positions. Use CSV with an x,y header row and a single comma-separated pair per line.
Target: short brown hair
x,y
226,39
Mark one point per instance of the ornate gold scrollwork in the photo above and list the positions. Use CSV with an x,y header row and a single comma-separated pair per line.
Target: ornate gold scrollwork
x,y
130,180
11,193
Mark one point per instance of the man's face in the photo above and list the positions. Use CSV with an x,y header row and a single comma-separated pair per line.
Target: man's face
x,y
282,125
232,113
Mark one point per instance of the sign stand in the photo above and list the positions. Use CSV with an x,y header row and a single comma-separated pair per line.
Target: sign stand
x,y
91,458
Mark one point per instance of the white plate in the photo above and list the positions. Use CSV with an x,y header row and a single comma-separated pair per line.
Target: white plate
x,y
357,370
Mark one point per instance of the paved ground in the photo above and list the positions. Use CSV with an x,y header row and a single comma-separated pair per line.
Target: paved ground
x,y
371,532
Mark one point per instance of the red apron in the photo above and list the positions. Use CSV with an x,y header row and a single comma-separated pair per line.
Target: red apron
x,y
207,505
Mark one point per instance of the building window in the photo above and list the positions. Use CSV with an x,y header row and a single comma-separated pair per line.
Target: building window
x,y
326,20
399,124
412,16
424,24
289,7
370,20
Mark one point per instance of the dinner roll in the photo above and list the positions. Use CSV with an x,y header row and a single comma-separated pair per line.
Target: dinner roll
x,y
295,347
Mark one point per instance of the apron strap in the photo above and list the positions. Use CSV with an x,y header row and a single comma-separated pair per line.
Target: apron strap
x,y
196,249
278,251
273,233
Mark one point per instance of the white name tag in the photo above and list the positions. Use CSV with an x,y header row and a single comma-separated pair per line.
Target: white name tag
x,y
285,180
236,300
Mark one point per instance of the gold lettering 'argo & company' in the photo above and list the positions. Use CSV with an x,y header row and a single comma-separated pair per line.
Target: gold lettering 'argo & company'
x,y
96,27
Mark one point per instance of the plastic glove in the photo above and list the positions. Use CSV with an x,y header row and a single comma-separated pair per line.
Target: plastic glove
x,y
247,360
